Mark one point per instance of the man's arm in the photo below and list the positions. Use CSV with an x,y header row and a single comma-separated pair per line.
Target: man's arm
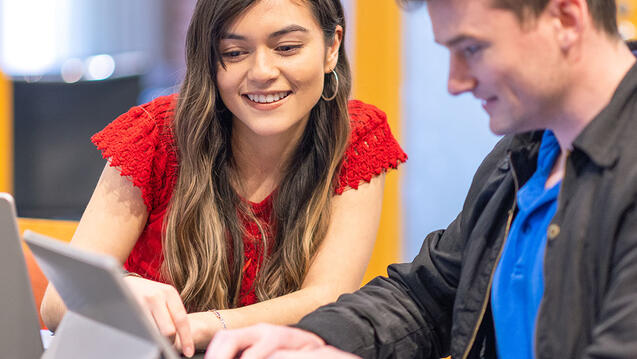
x,y
407,314
615,334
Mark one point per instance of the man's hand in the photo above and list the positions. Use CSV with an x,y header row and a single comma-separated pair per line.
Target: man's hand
x,y
261,341
324,352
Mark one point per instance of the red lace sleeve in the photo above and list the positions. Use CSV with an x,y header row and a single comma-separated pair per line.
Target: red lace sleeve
x,y
372,149
139,143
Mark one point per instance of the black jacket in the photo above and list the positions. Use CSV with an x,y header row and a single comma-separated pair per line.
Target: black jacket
x,y
439,304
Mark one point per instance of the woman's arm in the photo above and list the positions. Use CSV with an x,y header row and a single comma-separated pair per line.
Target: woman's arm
x,y
112,222
337,268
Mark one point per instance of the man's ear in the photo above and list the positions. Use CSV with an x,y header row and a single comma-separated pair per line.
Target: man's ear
x,y
569,19
331,56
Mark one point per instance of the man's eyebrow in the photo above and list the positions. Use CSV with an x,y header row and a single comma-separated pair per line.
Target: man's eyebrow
x,y
286,30
456,40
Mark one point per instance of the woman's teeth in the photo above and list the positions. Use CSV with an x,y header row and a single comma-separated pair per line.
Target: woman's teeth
x,y
268,98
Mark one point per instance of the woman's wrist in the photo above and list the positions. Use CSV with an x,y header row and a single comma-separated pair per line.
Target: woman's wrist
x,y
220,318
210,325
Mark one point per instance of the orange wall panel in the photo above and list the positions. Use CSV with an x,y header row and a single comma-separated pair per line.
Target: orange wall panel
x,y
6,135
377,73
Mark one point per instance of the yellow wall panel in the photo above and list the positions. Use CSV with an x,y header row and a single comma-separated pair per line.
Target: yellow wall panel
x,y
6,135
377,76
627,18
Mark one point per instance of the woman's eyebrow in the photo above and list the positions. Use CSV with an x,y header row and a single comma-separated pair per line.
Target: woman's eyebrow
x,y
286,30
231,36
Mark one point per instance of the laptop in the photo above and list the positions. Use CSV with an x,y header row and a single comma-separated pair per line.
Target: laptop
x,y
103,318
19,324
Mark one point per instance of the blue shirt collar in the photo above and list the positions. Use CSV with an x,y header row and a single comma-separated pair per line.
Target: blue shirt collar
x,y
549,151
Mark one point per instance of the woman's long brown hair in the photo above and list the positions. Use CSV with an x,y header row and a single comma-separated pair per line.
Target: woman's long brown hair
x,y
203,235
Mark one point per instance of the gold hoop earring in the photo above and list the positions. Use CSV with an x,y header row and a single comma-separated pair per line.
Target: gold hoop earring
x,y
335,90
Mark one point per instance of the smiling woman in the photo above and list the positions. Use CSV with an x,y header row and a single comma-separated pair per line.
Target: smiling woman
x,y
261,59
254,194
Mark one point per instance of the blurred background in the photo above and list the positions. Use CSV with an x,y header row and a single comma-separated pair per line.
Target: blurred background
x,y
69,67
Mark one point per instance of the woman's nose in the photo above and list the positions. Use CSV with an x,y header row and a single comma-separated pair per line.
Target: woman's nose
x,y
264,67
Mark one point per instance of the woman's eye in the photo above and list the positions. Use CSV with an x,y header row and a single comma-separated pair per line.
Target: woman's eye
x,y
288,48
232,53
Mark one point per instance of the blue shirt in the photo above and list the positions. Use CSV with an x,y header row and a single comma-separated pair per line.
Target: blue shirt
x,y
518,284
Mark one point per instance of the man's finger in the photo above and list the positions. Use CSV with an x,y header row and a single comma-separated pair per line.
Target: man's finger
x,y
279,339
324,352
226,344
260,341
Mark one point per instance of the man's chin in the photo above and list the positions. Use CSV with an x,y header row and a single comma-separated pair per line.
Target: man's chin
x,y
498,128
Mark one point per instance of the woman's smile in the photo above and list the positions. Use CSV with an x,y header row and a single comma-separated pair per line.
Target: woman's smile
x,y
266,100
267,97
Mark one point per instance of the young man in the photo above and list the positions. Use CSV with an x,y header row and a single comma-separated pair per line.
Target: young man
x,y
542,260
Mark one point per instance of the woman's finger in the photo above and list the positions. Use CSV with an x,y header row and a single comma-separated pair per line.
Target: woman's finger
x,y
162,317
181,324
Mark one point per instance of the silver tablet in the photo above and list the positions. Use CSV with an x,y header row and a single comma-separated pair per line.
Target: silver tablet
x,y
103,319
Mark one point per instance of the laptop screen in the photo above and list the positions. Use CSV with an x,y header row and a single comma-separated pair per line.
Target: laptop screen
x,y
19,325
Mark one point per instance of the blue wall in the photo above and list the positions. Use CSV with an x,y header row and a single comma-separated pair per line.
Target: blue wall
x,y
445,137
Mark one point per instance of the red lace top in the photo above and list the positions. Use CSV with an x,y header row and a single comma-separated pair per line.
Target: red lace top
x,y
141,145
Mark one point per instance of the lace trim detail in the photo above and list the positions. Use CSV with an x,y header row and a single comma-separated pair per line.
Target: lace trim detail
x,y
372,150
140,144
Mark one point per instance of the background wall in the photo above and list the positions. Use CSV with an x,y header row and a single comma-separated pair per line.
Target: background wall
x,y
446,137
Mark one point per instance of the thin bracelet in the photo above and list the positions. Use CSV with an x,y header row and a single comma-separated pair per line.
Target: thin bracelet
x,y
218,315
132,274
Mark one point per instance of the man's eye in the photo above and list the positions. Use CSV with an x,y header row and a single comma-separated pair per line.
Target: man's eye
x,y
471,50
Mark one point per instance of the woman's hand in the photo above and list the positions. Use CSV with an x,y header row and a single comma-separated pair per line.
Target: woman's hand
x,y
165,308
203,326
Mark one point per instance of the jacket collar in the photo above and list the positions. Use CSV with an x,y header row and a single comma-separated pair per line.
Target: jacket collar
x,y
599,137
523,152
527,141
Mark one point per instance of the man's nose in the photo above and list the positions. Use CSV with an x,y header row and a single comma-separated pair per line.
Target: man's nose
x,y
460,78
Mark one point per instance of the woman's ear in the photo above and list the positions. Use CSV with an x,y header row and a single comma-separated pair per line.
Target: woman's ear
x,y
331,56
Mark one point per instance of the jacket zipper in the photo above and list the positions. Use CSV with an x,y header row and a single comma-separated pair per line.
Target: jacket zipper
x,y
488,292
539,310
